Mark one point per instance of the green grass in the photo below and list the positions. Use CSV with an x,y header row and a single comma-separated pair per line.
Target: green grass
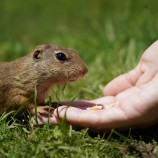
x,y
109,36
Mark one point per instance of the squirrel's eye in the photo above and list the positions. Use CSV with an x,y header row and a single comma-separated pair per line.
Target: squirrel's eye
x,y
61,56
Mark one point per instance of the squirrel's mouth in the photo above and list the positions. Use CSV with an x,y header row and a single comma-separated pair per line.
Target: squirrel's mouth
x,y
77,76
72,80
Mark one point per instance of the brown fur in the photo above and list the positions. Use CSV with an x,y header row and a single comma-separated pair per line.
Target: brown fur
x,y
40,69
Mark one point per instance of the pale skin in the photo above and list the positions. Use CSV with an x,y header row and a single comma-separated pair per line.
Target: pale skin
x,y
130,100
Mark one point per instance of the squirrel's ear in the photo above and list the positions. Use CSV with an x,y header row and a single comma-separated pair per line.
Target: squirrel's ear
x,y
37,55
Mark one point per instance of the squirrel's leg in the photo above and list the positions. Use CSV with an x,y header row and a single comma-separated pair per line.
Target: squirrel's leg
x,y
43,114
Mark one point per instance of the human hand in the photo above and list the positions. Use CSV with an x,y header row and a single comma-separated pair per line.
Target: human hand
x,y
131,99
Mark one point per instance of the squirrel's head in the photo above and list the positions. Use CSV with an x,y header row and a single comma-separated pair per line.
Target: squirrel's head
x,y
58,64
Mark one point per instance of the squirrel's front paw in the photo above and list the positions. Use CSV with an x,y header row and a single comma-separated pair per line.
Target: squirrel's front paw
x,y
44,115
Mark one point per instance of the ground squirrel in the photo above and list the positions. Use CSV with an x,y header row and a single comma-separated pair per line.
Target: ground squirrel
x,y
46,66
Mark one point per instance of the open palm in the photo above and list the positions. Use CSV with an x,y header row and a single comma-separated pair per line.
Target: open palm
x,y
131,100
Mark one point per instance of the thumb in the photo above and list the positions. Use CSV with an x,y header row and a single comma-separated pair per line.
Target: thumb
x,y
122,82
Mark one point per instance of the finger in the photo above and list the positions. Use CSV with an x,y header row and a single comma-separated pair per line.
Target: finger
x,y
76,116
110,118
91,118
150,56
122,82
42,119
